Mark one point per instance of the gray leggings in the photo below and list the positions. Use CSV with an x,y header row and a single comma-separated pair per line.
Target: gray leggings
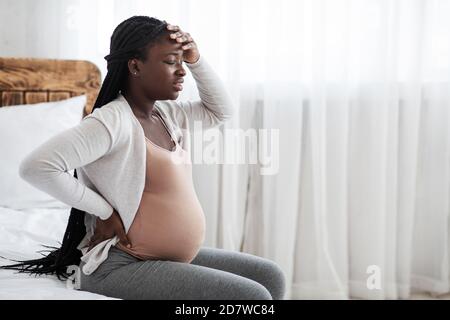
x,y
213,274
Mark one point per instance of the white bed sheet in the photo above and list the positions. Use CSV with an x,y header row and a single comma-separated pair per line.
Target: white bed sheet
x,y
22,233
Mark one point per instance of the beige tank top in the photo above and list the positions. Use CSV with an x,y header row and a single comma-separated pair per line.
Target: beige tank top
x,y
170,222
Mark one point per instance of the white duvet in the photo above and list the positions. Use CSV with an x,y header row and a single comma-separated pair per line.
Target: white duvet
x,y
22,233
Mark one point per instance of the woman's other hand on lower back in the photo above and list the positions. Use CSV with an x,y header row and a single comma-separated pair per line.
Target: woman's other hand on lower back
x,y
107,229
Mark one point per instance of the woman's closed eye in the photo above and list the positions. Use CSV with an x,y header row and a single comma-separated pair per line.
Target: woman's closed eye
x,y
173,62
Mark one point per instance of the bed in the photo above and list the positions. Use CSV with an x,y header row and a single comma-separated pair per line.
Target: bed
x,y
23,231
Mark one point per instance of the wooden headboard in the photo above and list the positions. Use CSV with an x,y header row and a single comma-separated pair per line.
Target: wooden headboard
x,y
31,80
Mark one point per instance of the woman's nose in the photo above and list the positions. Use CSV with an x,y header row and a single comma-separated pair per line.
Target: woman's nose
x,y
181,72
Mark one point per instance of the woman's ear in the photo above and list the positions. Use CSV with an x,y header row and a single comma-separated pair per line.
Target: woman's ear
x,y
133,67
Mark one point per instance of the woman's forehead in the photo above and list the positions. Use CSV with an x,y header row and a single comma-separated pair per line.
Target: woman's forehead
x,y
168,46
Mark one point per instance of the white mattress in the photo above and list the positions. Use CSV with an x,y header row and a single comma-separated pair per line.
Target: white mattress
x,y
22,232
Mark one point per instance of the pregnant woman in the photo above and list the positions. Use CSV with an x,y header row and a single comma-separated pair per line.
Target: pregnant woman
x,y
136,227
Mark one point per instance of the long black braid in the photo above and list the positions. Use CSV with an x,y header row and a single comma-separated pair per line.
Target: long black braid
x,y
131,39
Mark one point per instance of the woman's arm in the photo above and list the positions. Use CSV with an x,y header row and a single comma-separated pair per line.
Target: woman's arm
x,y
46,167
214,106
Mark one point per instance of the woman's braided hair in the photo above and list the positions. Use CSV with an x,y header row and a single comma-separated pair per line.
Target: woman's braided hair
x,y
131,39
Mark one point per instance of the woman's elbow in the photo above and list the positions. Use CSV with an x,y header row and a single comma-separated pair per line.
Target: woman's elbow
x,y
222,117
29,169
26,168
228,111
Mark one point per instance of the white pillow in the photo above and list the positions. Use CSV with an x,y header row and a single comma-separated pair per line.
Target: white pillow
x,y
22,129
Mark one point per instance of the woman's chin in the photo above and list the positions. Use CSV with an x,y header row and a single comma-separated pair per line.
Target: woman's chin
x,y
175,95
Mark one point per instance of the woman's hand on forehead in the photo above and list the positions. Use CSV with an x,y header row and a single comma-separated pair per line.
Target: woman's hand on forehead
x,y
190,49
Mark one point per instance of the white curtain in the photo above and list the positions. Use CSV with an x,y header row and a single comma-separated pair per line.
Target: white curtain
x,y
359,91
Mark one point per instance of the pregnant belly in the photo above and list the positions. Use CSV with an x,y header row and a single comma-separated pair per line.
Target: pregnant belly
x,y
164,229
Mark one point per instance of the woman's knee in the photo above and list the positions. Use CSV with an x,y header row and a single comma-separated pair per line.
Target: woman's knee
x,y
274,279
247,289
258,292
